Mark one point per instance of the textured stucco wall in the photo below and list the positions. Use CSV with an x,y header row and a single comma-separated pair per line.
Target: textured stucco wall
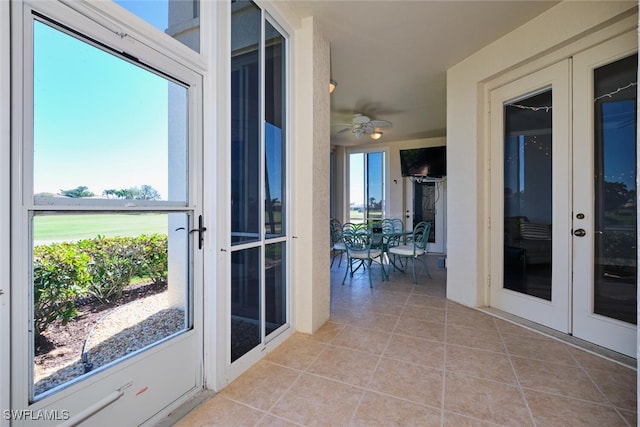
x,y
311,179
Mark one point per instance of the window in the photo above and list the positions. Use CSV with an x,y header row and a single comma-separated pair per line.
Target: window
x,y
367,187
178,19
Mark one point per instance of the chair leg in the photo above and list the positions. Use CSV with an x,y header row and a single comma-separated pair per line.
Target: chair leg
x,y
413,268
424,263
368,267
346,270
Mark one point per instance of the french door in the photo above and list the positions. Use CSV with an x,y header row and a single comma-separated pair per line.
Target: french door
x,y
107,226
564,223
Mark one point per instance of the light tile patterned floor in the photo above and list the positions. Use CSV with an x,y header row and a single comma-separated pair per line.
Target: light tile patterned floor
x,y
400,354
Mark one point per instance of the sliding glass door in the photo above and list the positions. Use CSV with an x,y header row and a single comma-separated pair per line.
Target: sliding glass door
x,y
367,187
259,227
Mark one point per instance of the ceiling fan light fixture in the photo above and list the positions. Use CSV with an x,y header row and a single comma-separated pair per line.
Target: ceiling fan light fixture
x,y
376,135
332,86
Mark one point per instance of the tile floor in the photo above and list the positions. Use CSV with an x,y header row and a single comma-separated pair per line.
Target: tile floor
x,y
401,354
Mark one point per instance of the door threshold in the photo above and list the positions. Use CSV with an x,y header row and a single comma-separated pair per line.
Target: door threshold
x,y
597,350
181,411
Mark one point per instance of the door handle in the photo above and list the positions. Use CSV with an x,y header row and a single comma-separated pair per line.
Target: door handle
x,y
201,229
579,232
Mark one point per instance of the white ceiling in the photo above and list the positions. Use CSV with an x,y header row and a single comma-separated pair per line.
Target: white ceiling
x,y
390,57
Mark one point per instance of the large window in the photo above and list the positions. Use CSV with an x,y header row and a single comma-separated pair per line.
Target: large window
x,y
367,187
258,179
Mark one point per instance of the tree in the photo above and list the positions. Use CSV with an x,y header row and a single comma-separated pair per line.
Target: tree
x,y
147,192
80,191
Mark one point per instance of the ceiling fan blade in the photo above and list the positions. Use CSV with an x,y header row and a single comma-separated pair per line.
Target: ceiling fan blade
x,y
359,119
380,123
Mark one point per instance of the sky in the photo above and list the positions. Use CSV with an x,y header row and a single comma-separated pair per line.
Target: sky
x,y
99,121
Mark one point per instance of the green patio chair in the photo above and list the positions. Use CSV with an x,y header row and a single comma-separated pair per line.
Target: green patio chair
x,y
414,248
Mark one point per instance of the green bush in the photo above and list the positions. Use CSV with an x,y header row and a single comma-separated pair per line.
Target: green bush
x,y
152,251
60,276
100,268
112,266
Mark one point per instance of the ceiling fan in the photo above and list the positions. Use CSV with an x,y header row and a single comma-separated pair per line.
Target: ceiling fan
x,y
361,124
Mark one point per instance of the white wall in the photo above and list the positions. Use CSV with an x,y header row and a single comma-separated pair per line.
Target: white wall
x,y
538,43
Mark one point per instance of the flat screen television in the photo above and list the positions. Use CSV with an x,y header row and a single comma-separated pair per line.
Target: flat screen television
x,y
428,161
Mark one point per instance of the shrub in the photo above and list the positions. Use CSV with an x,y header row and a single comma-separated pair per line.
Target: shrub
x,y
60,276
152,257
100,267
111,267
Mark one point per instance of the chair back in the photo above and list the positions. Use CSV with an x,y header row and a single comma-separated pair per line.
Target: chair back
x,y
420,235
398,225
356,237
387,225
335,228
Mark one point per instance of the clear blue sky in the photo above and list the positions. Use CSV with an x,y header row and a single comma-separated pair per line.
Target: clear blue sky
x,y
153,11
99,121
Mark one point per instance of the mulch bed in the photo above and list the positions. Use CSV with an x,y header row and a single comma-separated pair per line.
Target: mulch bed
x,y
61,345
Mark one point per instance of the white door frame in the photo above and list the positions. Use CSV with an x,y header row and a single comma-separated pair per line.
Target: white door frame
x,y
555,313
440,222
611,333
132,380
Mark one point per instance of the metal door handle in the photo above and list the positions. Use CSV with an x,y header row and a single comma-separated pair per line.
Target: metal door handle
x,y
579,232
200,230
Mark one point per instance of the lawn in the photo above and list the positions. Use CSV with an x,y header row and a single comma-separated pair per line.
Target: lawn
x,y
55,228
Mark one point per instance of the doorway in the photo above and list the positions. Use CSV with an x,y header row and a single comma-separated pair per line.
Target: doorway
x,y
427,201
107,223
564,226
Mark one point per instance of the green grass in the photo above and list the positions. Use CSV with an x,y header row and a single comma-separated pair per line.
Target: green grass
x,y
47,228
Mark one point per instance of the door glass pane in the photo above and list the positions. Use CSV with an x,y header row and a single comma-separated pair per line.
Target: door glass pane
x,y
274,107
356,188
615,264
366,187
102,126
425,195
375,187
527,195
179,19
275,287
245,123
245,301
105,286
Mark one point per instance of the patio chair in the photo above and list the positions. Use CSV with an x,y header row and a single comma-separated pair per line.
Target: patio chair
x,y
337,245
415,247
358,240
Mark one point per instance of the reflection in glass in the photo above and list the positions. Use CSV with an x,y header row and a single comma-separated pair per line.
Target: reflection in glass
x,y
104,288
275,287
273,133
527,195
104,127
425,196
180,19
615,221
245,123
245,301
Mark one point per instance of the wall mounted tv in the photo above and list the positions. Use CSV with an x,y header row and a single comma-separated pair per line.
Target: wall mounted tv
x,y
429,161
